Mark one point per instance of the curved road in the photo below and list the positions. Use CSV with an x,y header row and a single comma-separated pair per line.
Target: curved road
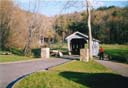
x,y
11,71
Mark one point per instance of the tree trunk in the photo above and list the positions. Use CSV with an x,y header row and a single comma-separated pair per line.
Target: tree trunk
x,y
89,29
63,37
27,48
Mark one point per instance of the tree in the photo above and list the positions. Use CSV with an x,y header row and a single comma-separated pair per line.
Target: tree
x,y
88,3
34,26
6,7
18,29
47,30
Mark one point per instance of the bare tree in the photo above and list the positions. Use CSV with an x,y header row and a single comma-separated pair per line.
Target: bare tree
x,y
88,5
34,25
46,32
38,26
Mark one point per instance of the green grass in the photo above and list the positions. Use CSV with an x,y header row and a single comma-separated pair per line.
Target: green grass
x,y
74,74
61,47
12,58
117,52
79,66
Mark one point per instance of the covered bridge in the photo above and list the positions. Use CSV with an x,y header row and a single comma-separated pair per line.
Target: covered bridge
x,y
77,41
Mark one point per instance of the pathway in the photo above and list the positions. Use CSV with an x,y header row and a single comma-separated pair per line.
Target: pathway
x,y
120,68
11,71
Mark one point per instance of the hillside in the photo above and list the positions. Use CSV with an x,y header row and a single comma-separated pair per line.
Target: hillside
x,y
109,24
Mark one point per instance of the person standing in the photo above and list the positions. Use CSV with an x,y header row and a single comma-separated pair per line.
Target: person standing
x,y
101,53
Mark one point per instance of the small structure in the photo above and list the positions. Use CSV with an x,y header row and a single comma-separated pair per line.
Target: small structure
x,y
84,56
77,41
45,51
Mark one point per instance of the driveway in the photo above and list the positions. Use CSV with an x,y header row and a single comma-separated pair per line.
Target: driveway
x,y
120,68
11,71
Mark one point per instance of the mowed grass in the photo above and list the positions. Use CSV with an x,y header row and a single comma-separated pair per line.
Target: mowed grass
x,y
79,66
12,58
75,74
117,52
61,47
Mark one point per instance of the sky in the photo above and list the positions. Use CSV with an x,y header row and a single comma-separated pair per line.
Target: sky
x,y
56,7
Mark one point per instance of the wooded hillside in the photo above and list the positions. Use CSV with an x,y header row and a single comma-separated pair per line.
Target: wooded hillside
x,y
109,24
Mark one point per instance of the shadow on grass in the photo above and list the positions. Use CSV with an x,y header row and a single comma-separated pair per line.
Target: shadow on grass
x,y
97,80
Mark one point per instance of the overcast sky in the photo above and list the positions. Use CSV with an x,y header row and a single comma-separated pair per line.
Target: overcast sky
x,y
56,7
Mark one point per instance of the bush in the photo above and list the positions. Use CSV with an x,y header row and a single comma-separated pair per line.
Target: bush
x,y
36,52
16,51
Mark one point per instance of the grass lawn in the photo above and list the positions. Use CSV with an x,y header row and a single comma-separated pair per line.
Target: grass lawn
x,y
117,52
74,74
61,47
12,58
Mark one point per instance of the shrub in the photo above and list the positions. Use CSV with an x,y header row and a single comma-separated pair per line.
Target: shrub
x,y
36,52
16,51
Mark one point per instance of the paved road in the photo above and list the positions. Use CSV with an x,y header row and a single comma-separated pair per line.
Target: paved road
x,y
11,71
120,68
